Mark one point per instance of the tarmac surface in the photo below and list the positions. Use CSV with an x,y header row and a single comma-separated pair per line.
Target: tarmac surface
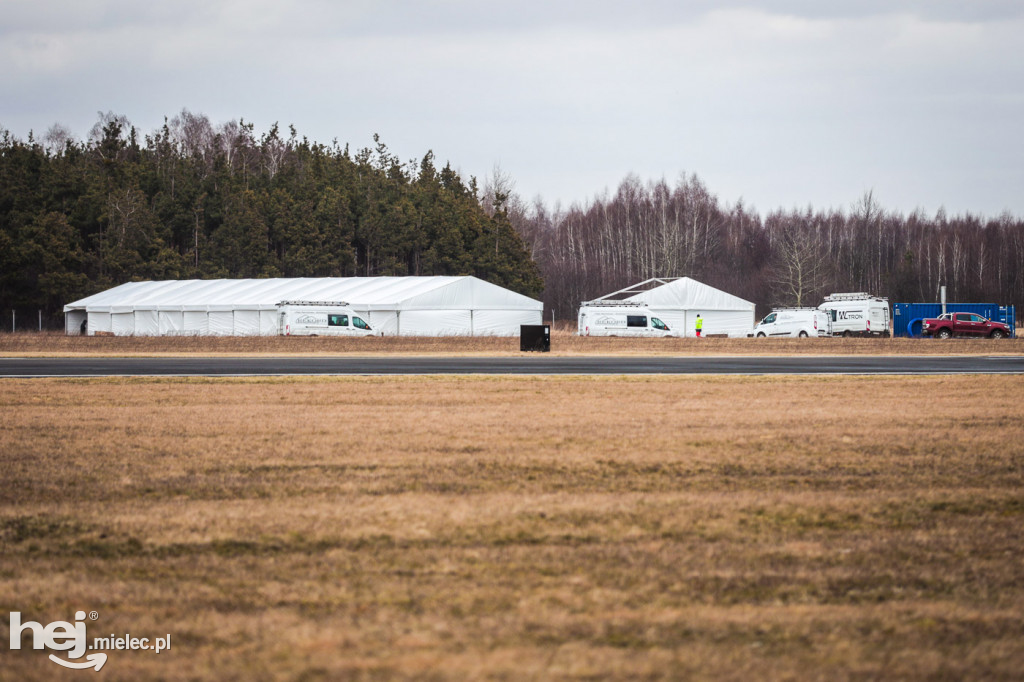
x,y
527,364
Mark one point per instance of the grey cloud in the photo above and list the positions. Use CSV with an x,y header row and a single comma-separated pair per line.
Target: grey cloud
x,y
782,102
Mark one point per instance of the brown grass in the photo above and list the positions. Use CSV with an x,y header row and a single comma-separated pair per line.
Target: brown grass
x,y
564,341
521,528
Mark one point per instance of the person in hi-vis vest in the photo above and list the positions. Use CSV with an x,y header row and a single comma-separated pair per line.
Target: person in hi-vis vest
x,y
700,325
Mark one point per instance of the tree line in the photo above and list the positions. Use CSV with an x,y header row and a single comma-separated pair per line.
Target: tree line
x,y
194,200
787,258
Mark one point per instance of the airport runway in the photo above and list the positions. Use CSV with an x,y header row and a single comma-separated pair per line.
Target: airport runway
x,y
526,364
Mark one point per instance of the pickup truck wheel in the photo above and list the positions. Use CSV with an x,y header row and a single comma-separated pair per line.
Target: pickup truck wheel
x,y
944,334
802,334
997,334
760,335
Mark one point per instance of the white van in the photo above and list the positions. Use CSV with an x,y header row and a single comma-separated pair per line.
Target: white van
x,y
320,318
794,322
858,314
597,318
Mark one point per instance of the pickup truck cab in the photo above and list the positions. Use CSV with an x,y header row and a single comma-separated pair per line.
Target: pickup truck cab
x,y
963,324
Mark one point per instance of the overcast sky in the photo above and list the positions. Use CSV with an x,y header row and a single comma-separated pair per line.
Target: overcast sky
x,y
783,103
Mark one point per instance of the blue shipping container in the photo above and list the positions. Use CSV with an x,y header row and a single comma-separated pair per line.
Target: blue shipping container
x,y
906,317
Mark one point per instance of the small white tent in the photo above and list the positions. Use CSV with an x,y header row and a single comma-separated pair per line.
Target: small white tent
x,y
678,300
407,306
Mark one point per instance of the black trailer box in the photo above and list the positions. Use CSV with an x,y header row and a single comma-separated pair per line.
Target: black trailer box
x,y
535,337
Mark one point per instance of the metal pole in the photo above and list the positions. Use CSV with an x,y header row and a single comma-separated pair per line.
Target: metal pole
x,y
40,320
12,321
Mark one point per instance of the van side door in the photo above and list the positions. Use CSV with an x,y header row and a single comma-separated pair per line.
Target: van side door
x,y
637,324
787,324
337,323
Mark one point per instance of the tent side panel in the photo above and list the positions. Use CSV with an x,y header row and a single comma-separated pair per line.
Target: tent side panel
x,y
122,324
147,323
222,322
436,323
503,322
247,323
736,323
268,323
99,322
384,321
196,323
172,322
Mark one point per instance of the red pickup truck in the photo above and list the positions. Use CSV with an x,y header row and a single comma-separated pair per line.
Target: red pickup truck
x,y
963,324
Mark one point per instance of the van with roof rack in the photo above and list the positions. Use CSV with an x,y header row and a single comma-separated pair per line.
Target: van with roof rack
x,y
858,314
619,318
320,318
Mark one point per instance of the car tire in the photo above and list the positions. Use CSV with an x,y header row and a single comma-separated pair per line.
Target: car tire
x,y
944,334
802,334
760,335
997,334
847,334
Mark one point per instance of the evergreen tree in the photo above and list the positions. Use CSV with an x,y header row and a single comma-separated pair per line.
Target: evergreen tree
x,y
194,200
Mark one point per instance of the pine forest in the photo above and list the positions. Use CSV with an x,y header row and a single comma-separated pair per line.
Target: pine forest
x,y
198,200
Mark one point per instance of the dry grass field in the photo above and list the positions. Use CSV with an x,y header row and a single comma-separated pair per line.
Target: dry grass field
x,y
520,528
563,341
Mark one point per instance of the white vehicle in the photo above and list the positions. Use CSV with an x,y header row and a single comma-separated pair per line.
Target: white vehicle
x,y
618,318
858,314
320,318
794,322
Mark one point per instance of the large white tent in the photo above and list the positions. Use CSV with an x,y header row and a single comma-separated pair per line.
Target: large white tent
x,y
678,300
406,306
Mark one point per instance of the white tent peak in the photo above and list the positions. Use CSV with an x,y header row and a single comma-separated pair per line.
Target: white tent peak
x,y
362,292
678,301
681,292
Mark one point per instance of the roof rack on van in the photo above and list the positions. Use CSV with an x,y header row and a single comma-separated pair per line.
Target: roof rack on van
x,y
854,296
327,303
617,304
775,310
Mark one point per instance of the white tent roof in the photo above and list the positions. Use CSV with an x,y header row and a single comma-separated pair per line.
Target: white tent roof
x,y
366,293
679,293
